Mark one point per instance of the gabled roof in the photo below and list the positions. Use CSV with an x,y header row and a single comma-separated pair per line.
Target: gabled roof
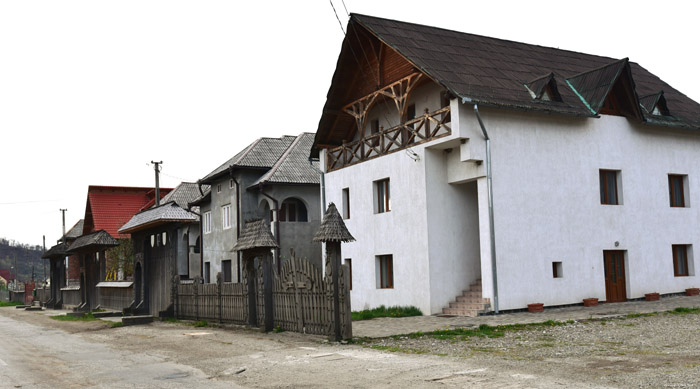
x,y
539,86
332,228
110,207
654,100
57,251
293,167
166,213
76,230
184,194
487,71
6,274
97,240
263,153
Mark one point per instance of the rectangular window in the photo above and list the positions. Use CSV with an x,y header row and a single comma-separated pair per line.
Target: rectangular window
x,y
382,196
207,222
386,272
346,203
348,262
218,188
226,216
609,193
680,260
207,268
557,270
226,270
230,183
676,189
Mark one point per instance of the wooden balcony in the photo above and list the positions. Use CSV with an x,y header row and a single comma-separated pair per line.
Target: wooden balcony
x,y
429,126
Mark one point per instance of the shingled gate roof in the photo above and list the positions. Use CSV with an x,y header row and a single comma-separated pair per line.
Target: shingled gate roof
x,y
332,228
57,251
255,234
493,72
95,241
166,213
263,153
293,166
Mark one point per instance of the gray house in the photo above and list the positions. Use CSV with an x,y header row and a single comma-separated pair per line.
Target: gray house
x,y
272,179
166,243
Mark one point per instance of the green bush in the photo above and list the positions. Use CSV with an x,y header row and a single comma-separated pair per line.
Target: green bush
x,y
383,311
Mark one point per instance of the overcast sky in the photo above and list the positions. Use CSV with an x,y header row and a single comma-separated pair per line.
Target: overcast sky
x,y
92,91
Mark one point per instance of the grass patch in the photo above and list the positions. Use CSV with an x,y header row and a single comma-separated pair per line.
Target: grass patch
x,y
10,303
200,324
383,311
116,324
278,329
683,311
85,317
635,315
482,331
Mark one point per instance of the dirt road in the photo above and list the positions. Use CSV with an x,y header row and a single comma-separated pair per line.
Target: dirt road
x,y
40,352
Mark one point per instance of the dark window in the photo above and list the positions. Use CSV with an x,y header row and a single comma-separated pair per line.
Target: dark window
x,y
676,189
386,271
346,203
374,130
411,114
348,262
293,210
608,187
206,272
226,267
680,260
445,103
557,270
197,245
383,196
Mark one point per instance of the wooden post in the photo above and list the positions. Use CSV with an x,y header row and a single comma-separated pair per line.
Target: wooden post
x,y
333,255
297,298
250,276
195,295
346,317
267,291
219,284
174,296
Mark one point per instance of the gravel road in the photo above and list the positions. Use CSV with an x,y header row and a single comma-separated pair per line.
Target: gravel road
x,y
653,351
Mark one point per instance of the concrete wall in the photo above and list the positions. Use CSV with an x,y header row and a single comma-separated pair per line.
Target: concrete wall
x,y
547,204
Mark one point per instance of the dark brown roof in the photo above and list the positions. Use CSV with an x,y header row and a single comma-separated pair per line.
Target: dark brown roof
x,y
57,251
493,72
95,241
255,234
166,213
333,227
293,166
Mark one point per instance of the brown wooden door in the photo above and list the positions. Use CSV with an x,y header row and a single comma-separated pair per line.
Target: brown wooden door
x,y
614,264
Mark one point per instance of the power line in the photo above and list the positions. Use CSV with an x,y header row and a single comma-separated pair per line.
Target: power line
x,y
29,202
336,16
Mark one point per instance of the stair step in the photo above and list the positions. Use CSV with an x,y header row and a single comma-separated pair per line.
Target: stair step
x,y
472,299
460,312
475,306
135,320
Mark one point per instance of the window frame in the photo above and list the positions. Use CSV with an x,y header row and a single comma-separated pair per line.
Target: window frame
x,y
206,222
382,193
680,178
226,217
557,269
207,272
348,262
604,180
346,203
678,249
385,278
224,264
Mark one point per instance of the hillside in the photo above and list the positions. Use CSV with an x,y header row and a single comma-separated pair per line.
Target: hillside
x,y
25,256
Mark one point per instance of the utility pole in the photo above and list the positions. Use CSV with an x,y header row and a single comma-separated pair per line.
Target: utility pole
x,y
156,167
43,261
63,211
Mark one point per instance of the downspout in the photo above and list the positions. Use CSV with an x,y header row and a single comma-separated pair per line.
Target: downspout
x,y
277,226
323,184
238,221
201,235
492,228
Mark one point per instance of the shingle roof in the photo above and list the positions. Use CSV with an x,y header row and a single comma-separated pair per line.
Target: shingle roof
x,y
293,166
332,228
489,71
95,241
57,251
76,230
184,194
169,212
109,207
263,153
255,234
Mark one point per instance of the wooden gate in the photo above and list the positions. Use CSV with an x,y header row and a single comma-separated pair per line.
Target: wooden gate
x,y
299,298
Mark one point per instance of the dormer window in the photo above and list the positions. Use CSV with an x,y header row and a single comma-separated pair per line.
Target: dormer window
x,y
655,104
544,88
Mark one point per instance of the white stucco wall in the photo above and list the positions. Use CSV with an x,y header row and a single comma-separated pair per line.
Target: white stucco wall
x,y
547,204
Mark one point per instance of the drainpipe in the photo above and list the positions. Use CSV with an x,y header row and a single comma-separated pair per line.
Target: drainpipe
x,y
201,234
323,185
277,226
492,228
238,221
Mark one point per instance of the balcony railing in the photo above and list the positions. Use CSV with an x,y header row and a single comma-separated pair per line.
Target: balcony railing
x,y
431,125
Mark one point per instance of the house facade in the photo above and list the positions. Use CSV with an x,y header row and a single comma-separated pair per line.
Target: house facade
x,y
273,179
165,244
594,162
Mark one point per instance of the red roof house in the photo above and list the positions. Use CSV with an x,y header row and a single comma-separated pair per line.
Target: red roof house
x,y
110,207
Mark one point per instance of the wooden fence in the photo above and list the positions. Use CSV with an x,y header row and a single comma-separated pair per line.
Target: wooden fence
x,y
302,299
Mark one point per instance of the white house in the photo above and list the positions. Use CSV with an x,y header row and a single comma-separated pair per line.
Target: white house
x,y
595,172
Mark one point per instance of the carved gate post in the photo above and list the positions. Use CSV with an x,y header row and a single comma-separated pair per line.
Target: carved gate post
x,y
195,295
219,284
249,274
174,296
333,231
268,283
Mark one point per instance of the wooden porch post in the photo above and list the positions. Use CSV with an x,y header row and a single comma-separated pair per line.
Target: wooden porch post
x,y
268,281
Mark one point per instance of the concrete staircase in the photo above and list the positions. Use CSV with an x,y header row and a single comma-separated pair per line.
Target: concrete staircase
x,y
470,303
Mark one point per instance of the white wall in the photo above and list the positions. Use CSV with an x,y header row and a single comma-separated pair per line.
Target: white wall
x,y
547,204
